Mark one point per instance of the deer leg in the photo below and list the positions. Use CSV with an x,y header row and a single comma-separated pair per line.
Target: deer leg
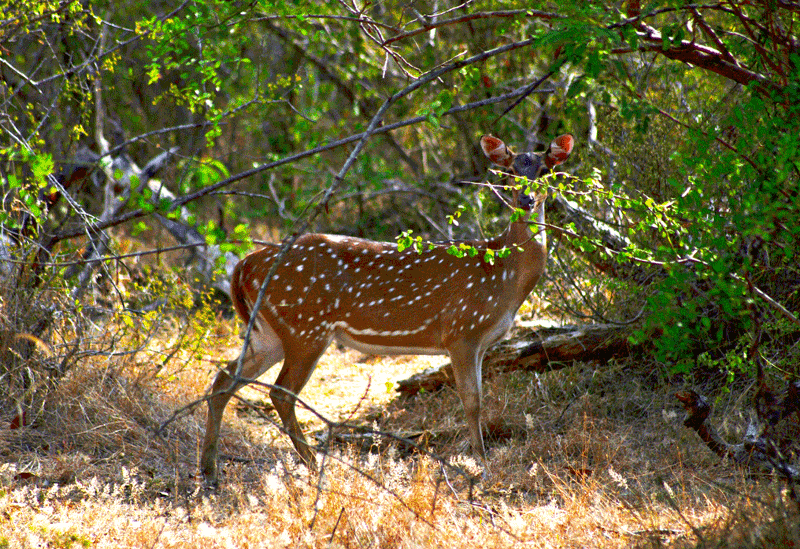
x,y
293,377
466,360
254,364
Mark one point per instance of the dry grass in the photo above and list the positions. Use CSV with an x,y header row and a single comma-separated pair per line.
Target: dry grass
x,y
590,456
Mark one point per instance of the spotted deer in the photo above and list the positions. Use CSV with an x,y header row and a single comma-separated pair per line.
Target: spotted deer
x,y
379,300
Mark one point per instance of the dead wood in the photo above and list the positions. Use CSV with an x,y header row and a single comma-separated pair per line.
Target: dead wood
x,y
406,443
537,351
759,450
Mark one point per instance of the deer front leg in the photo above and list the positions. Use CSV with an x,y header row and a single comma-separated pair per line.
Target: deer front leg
x,y
466,360
221,393
222,390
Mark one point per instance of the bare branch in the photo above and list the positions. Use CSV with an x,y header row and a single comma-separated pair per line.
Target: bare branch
x,y
471,17
129,216
701,22
719,60
360,20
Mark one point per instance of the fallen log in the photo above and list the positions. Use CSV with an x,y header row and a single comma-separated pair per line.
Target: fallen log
x,y
535,351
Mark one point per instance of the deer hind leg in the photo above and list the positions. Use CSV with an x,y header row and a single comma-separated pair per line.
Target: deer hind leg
x,y
264,351
467,361
296,371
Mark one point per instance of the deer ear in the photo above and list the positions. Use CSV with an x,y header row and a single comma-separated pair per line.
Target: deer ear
x,y
559,150
497,151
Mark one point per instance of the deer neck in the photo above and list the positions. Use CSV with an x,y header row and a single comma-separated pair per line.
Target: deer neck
x,y
528,257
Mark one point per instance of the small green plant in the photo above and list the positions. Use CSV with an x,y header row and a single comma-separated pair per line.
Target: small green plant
x,y
62,540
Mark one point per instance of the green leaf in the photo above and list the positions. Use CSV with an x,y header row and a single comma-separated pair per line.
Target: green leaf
x,y
455,250
139,227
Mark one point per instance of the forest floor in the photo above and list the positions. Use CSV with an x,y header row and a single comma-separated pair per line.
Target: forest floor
x,y
594,455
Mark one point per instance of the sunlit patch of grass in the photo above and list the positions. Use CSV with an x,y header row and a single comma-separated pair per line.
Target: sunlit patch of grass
x,y
590,456
385,504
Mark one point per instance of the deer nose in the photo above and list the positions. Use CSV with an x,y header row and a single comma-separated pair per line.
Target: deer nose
x,y
526,201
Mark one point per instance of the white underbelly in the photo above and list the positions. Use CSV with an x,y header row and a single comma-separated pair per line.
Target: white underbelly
x,y
382,349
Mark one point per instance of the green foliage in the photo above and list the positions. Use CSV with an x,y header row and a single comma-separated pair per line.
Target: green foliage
x,y
405,241
434,110
62,540
203,174
27,190
697,174
705,193
462,249
752,205
452,219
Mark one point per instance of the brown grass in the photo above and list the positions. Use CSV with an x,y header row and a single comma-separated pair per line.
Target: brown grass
x,y
590,456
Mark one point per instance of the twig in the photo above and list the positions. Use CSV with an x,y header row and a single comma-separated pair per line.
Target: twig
x,y
529,90
360,20
471,17
333,532
116,257
180,201
718,139
320,484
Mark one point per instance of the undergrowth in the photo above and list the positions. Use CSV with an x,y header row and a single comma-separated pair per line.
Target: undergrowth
x,y
594,455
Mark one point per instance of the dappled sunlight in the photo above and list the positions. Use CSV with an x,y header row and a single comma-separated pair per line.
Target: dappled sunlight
x,y
590,458
164,167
